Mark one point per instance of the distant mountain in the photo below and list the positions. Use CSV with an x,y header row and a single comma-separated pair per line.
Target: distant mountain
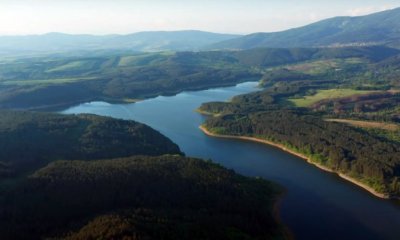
x,y
381,28
142,41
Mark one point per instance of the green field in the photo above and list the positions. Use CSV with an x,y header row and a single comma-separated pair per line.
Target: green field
x,y
307,101
45,81
321,66
144,59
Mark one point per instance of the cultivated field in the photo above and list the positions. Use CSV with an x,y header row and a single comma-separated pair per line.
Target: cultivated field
x,y
326,94
367,124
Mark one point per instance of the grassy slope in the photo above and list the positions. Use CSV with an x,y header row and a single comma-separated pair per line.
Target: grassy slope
x,y
321,66
368,124
326,94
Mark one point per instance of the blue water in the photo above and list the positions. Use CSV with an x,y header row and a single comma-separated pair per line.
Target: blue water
x,y
318,205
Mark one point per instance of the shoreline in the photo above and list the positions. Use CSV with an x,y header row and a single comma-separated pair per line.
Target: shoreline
x,y
206,113
283,148
61,106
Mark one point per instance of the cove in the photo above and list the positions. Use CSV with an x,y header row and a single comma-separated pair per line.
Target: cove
x,y
318,205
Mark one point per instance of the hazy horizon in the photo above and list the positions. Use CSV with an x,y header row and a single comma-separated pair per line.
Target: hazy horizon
x,y
27,17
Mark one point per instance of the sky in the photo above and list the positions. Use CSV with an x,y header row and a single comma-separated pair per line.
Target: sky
x,y
22,17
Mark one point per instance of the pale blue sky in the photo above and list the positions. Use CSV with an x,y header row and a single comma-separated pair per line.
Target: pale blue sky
x,y
126,16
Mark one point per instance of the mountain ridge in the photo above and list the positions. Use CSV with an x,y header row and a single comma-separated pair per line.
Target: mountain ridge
x,y
374,29
184,40
380,28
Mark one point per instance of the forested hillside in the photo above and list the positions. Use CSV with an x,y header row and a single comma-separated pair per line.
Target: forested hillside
x,y
29,140
334,145
165,197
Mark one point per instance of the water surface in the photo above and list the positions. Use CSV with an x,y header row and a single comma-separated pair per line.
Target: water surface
x,y
318,205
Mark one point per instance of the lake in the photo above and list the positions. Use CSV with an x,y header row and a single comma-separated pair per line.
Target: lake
x,y
318,205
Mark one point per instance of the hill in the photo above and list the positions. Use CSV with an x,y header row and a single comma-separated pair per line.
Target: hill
x,y
374,29
166,197
141,41
59,81
29,140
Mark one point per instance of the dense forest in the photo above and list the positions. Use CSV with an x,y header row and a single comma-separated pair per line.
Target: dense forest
x,y
165,197
29,140
335,145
